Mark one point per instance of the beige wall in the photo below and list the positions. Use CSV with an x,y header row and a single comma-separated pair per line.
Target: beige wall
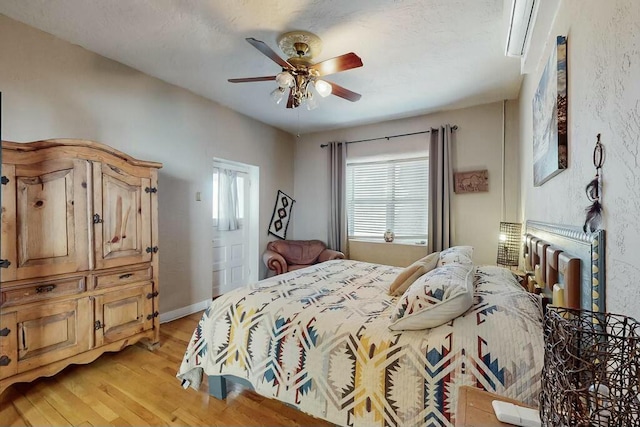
x,y
51,89
604,88
478,143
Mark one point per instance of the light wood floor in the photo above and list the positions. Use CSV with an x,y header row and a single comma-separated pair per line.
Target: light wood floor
x,y
138,387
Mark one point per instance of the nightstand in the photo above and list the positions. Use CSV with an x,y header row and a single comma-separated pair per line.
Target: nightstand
x,y
475,409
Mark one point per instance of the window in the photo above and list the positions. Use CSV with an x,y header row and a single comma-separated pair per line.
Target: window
x,y
216,195
390,194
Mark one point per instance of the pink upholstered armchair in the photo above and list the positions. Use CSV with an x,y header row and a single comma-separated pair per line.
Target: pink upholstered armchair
x,y
288,255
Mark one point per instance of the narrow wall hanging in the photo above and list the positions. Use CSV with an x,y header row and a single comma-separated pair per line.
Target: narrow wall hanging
x,y
281,215
594,191
550,117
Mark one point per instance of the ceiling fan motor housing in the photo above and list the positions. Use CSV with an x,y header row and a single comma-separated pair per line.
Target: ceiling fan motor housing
x,y
300,44
301,48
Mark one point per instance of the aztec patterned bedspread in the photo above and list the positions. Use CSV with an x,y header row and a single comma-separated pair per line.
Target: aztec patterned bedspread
x,y
318,339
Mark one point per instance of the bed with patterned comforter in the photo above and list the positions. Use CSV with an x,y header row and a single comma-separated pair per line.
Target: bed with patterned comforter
x,y
318,339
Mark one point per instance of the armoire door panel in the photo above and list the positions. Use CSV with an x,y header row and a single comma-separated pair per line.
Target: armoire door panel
x,y
51,224
8,345
53,332
8,248
123,313
122,225
46,231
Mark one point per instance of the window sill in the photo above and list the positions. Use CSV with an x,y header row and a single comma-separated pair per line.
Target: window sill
x,y
395,242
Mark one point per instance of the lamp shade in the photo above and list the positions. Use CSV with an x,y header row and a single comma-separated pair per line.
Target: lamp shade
x,y
277,94
323,88
509,244
312,104
285,79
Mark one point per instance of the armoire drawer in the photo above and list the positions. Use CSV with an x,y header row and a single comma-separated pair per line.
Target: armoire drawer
x,y
35,291
122,277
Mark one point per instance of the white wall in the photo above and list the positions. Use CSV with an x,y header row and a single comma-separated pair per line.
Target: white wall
x,y
604,87
52,89
477,146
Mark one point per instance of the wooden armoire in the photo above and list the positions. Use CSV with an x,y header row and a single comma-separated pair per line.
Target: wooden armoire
x,y
78,258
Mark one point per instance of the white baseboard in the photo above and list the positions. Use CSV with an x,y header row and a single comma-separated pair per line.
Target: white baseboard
x,y
184,311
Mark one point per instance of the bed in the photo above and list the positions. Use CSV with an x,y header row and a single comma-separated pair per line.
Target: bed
x,y
319,339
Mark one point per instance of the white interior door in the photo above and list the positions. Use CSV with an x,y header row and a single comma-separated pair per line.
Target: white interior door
x,y
231,248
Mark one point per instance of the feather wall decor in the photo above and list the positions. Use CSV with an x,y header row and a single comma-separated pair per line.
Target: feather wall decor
x,y
594,191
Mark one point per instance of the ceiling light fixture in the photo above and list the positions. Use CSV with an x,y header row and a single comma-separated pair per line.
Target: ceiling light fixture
x,y
300,46
299,81
323,88
277,95
300,75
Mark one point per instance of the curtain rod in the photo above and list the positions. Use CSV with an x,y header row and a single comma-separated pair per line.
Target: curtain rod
x,y
455,127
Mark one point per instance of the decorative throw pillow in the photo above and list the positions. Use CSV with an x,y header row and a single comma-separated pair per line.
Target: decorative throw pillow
x,y
412,272
435,298
456,254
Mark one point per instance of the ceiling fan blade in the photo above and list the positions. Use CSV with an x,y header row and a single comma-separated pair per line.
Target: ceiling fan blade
x,y
337,64
253,79
290,100
266,50
347,94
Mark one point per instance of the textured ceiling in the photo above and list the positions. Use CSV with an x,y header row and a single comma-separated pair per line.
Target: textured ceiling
x,y
419,56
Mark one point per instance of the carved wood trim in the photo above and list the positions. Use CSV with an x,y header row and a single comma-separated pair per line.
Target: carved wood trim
x,y
69,142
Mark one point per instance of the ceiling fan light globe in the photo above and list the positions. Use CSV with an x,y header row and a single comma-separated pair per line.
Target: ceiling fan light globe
x,y
277,95
312,103
323,88
284,79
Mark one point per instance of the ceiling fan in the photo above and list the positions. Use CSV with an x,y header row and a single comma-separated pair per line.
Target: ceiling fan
x,y
299,73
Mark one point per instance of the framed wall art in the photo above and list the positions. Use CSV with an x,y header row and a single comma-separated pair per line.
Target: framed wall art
x,y
471,182
281,215
550,117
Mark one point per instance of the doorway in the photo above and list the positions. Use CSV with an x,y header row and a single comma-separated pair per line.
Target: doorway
x,y
235,225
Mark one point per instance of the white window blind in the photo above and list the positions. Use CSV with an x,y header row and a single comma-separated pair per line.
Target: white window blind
x,y
392,195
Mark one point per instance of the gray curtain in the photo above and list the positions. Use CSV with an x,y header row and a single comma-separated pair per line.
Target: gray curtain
x,y
440,189
337,239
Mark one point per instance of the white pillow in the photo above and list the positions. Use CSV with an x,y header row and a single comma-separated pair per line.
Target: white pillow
x,y
437,297
409,275
456,254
